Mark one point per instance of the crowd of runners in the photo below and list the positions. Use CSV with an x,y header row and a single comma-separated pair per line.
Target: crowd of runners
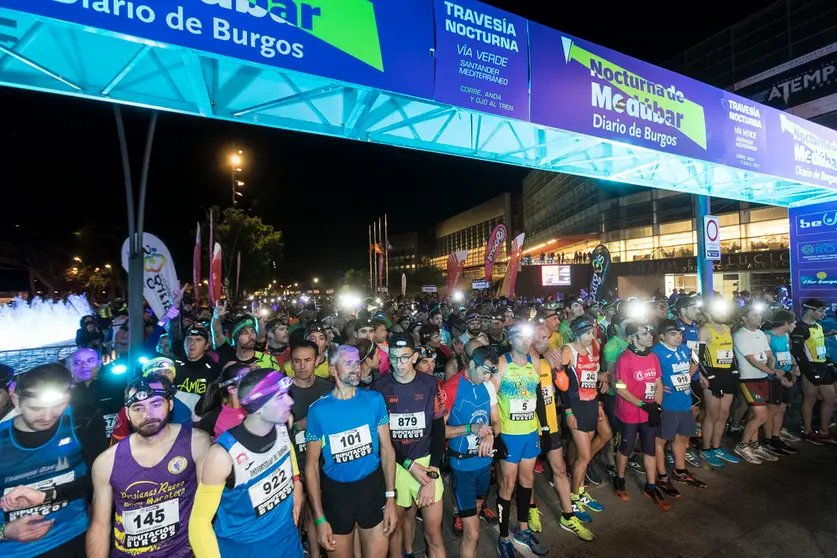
x,y
307,429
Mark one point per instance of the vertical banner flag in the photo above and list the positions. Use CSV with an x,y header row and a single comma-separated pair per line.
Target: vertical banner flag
x,y
403,284
495,241
215,275
212,301
456,263
380,268
514,261
600,260
196,269
159,276
237,272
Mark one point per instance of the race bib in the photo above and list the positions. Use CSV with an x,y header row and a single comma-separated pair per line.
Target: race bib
x,y
547,393
589,379
299,440
43,509
407,426
681,382
110,423
473,444
271,491
521,409
351,444
724,357
693,345
761,357
821,351
650,390
151,525
784,358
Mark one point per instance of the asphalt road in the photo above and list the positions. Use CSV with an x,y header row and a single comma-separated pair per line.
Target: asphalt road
x,y
786,508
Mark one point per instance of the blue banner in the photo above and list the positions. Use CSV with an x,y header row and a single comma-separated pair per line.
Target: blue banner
x,y
386,45
813,239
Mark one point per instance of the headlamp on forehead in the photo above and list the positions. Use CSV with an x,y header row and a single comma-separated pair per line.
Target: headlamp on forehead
x,y
47,395
145,389
719,306
641,330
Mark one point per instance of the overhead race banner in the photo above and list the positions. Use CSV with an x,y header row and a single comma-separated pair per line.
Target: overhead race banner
x,y
600,261
813,248
159,278
482,58
456,263
495,242
386,45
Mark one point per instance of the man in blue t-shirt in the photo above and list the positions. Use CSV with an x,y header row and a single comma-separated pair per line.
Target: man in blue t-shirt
x,y
470,425
349,428
677,421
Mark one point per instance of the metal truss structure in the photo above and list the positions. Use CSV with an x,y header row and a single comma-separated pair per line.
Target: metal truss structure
x,y
52,56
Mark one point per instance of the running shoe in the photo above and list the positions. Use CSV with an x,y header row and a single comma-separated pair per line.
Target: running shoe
x,y
762,452
692,457
688,478
775,450
712,458
636,466
621,489
814,438
539,466
669,458
457,525
786,436
746,453
582,515
778,443
828,437
528,539
489,516
587,502
668,488
611,471
535,519
657,497
723,454
506,549
592,476
575,526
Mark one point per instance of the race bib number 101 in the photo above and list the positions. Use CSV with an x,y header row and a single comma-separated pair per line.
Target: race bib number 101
x,y
351,444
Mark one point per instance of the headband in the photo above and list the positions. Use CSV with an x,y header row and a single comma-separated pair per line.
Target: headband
x,y
234,379
246,322
272,383
145,390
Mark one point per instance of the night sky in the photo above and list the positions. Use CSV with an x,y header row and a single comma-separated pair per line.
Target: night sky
x,y
62,172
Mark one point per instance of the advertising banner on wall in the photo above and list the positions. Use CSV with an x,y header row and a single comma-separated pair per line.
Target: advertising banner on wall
x,y
377,44
813,239
482,58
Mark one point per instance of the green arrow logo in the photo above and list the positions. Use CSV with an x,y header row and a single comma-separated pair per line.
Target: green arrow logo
x,y
348,25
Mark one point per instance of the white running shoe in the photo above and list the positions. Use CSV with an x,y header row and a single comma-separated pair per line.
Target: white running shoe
x,y
788,438
746,453
762,453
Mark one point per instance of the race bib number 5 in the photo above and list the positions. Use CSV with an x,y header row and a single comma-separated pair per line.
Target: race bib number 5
x,y
351,444
522,409
271,491
151,525
405,426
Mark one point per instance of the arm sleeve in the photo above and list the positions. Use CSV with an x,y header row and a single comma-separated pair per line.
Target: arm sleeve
x,y
798,347
437,442
201,535
90,432
540,407
566,360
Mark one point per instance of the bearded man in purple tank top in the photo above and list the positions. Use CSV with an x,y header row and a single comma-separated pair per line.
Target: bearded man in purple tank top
x,y
149,477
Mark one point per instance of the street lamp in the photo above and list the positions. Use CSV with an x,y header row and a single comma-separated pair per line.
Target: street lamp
x,y
77,259
316,280
235,166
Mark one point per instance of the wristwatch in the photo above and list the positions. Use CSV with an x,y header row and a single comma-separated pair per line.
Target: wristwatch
x,y
391,493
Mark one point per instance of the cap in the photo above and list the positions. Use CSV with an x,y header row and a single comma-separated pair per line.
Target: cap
x,y
315,327
241,323
159,365
667,326
197,331
582,325
365,348
472,317
635,329
813,304
427,331
402,341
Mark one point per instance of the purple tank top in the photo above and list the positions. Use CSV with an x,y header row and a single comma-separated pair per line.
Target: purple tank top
x,y
153,505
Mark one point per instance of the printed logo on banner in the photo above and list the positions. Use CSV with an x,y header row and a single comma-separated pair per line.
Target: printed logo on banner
x,y
820,251
816,223
812,279
815,156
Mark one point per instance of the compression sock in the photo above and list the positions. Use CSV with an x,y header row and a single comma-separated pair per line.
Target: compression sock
x,y
503,513
524,496
567,516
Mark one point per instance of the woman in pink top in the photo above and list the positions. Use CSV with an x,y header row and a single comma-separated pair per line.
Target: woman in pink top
x,y
221,409
639,394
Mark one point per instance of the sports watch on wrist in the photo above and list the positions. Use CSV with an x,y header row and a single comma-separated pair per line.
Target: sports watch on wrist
x,y
391,493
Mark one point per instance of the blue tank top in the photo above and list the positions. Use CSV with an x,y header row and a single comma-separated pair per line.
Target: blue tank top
x,y
57,462
674,366
691,340
348,432
467,404
780,347
260,504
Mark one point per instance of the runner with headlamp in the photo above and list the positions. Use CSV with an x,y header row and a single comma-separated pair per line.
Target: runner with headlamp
x,y
149,478
250,482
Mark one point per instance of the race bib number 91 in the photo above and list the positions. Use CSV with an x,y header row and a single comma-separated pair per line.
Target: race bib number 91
x,y
522,409
151,525
351,444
